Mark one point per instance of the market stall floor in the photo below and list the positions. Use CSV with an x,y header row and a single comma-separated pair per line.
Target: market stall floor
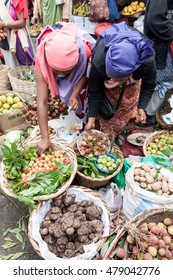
x,y
13,230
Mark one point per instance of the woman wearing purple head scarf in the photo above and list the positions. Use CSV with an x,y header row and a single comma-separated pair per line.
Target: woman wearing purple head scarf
x,y
122,55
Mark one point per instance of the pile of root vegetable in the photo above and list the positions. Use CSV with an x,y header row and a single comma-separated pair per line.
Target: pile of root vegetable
x,y
55,108
69,225
151,240
151,179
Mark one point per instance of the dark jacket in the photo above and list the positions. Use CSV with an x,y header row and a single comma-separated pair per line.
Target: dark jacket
x,y
158,28
146,72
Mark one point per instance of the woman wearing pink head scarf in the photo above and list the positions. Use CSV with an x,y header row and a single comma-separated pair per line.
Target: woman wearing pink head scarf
x,y
61,63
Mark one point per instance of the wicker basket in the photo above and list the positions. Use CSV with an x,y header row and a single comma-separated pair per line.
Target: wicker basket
x,y
81,189
24,88
153,136
35,29
4,79
57,144
165,108
134,15
148,215
89,182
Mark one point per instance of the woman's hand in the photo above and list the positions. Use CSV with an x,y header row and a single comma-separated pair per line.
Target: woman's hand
x,y
34,20
3,35
43,145
141,116
90,124
73,102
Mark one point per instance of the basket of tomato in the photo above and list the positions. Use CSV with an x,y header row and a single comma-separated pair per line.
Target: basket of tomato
x,y
31,177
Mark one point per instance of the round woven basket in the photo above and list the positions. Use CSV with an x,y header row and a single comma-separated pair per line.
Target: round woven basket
x,y
4,79
153,136
148,215
165,108
24,88
89,182
56,144
82,189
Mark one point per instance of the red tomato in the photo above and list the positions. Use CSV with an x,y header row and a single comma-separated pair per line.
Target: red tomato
x,y
66,161
24,185
54,167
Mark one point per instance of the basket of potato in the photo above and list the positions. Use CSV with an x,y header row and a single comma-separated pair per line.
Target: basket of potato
x,y
135,9
159,143
65,226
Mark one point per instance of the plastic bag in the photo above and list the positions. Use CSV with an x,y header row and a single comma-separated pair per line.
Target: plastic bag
x,y
71,125
160,160
113,197
139,24
119,179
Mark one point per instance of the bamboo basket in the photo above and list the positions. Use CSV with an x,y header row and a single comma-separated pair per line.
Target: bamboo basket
x,y
90,193
56,144
24,88
165,108
148,215
35,29
153,136
89,182
4,79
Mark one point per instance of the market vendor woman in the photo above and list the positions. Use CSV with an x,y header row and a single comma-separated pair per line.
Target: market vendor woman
x,y
122,55
61,63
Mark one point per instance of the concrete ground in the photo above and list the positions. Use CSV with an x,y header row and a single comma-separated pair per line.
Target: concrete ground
x,y
14,214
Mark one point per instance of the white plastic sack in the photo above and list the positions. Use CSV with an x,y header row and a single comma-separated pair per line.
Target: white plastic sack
x,y
70,126
136,199
112,197
37,217
139,23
